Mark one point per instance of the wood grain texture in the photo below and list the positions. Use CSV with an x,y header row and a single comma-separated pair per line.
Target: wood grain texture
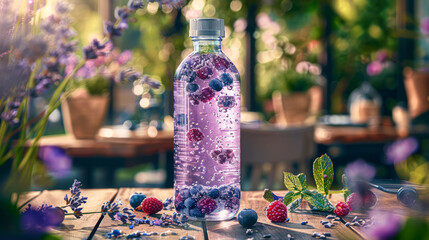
x,y
108,224
25,197
73,228
233,230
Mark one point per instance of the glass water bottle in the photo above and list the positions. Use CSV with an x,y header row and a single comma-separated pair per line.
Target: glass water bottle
x,y
207,127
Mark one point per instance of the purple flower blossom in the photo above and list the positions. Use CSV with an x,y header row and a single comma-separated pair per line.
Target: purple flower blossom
x,y
121,13
75,201
400,150
359,169
381,55
124,57
151,82
111,30
135,4
35,220
374,68
424,25
62,7
111,209
385,225
128,75
56,160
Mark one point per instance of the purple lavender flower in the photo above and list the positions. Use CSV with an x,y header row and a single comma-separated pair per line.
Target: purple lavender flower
x,y
151,82
135,4
424,25
62,7
75,201
128,75
111,30
400,150
359,169
121,13
56,160
111,208
385,225
35,220
374,68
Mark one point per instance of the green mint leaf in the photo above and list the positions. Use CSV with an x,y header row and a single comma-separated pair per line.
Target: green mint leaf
x,y
303,179
268,195
295,204
292,182
323,171
290,197
317,201
345,187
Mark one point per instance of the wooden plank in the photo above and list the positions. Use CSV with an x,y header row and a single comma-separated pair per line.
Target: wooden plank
x,y
108,224
25,197
232,230
73,228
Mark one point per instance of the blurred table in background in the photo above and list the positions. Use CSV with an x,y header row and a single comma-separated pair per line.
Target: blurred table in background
x,y
329,134
114,148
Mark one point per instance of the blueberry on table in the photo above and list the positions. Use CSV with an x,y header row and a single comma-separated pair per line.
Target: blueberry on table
x,y
247,217
136,199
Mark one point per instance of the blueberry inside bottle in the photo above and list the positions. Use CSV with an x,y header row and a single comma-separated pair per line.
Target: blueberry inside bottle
x,y
207,128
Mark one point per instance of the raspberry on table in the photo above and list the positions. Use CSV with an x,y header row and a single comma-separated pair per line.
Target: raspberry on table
x,y
207,205
341,209
151,205
357,202
195,135
277,211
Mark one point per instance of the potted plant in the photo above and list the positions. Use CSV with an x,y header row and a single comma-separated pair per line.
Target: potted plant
x,y
85,109
291,100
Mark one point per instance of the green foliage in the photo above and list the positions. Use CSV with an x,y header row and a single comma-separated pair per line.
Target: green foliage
x,y
297,186
413,229
292,81
292,182
95,86
323,171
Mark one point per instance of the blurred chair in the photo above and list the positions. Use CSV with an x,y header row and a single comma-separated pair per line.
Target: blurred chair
x,y
279,148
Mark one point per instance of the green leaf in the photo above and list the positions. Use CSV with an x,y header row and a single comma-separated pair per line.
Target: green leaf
x,y
323,171
268,195
295,204
292,182
290,197
317,201
345,187
303,179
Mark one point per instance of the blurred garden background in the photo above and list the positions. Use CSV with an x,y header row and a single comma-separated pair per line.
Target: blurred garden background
x,y
345,77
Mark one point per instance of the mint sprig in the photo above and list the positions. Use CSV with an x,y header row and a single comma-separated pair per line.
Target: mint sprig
x,y
323,172
345,187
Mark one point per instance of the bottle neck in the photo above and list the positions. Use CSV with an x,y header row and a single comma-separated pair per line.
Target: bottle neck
x,y
207,44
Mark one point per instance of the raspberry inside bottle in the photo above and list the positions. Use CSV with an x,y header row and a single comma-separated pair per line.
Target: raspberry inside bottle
x,y
207,128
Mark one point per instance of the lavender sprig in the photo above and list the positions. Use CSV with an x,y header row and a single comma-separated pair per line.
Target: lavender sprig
x,y
75,201
111,208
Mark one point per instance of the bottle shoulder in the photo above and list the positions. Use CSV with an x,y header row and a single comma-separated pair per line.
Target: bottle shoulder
x,y
216,61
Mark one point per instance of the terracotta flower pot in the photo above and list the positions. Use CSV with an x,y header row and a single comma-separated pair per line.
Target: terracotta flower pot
x,y
84,116
417,89
291,109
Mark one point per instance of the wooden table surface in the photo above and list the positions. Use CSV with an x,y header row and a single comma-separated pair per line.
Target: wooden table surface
x,y
95,226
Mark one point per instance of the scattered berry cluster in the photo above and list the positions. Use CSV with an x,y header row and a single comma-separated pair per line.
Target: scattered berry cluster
x,y
199,201
223,155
